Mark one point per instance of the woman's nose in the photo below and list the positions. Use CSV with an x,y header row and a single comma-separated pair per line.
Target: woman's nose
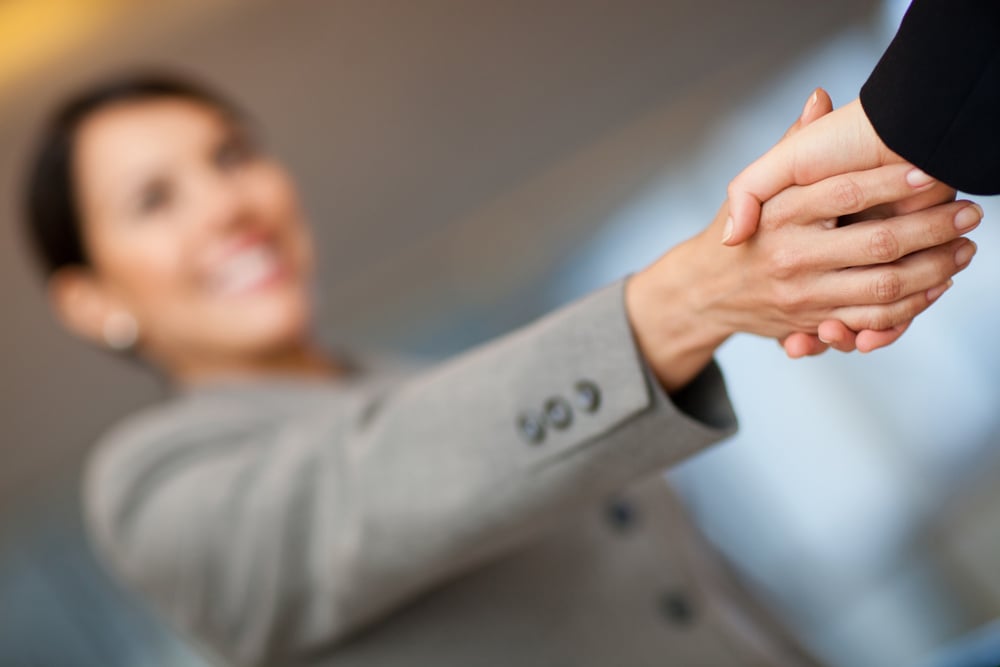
x,y
221,205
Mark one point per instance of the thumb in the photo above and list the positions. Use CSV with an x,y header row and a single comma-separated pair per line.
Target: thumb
x,y
819,104
747,189
841,141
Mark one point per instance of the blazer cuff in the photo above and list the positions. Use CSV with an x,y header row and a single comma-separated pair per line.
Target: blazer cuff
x,y
933,97
593,366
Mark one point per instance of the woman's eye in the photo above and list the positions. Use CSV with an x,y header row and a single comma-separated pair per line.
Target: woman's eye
x,y
234,152
154,198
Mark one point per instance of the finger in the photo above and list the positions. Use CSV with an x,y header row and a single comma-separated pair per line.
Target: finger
x,y
839,142
888,284
836,334
881,318
798,345
938,193
884,241
869,341
819,104
844,194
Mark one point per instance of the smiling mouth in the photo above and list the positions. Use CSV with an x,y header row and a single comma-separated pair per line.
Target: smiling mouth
x,y
246,271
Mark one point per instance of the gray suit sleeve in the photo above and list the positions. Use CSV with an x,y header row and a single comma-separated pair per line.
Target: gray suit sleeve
x,y
269,540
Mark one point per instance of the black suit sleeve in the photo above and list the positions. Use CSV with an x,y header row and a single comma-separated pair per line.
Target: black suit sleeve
x,y
934,97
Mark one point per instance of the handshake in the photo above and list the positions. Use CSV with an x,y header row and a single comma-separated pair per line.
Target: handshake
x,y
828,240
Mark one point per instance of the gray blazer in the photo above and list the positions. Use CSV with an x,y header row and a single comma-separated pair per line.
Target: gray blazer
x,y
502,508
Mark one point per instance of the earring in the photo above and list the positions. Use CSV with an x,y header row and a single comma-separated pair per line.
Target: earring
x,y
120,330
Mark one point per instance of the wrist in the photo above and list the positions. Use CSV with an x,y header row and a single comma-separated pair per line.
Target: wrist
x,y
869,136
671,308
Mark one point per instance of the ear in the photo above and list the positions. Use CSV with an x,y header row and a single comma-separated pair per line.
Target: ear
x,y
80,302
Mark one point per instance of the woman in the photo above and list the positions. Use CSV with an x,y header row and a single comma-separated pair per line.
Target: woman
x,y
287,506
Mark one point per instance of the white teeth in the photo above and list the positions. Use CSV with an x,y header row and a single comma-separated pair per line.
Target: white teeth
x,y
244,270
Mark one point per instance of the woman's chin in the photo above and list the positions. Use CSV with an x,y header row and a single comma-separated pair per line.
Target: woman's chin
x,y
263,325
279,329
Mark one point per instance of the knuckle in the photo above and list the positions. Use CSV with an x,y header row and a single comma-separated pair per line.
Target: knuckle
x,y
848,195
794,299
786,297
888,287
883,246
785,262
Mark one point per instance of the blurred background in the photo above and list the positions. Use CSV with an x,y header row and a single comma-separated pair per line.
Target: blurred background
x,y
469,166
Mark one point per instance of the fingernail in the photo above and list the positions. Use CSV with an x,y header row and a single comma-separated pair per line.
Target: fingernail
x,y
823,340
727,231
968,217
809,104
934,292
918,179
964,254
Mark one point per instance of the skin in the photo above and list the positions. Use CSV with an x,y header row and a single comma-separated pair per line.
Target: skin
x,y
842,141
926,192
796,273
171,191
674,302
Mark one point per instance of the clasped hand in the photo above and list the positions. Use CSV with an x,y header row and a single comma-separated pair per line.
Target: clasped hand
x,y
841,141
804,269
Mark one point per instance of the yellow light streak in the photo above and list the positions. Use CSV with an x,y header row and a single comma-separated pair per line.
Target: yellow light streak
x,y
35,32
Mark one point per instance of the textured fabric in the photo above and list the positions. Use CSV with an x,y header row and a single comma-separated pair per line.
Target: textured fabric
x,y
404,519
934,97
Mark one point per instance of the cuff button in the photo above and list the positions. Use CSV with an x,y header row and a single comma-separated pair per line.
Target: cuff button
x,y
621,515
586,396
531,428
558,413
677,608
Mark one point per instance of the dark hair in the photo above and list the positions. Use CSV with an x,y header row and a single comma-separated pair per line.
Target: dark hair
x,y
51,212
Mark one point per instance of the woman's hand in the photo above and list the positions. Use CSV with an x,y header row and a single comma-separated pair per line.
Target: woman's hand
x,y
925,193
799,271
835,334
839,142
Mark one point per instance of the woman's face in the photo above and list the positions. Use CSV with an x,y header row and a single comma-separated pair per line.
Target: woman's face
x,y
192,231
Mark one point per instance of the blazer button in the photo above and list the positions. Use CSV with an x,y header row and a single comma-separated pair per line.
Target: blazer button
x,y
677,608
531,428
621,515
587,396
558,413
